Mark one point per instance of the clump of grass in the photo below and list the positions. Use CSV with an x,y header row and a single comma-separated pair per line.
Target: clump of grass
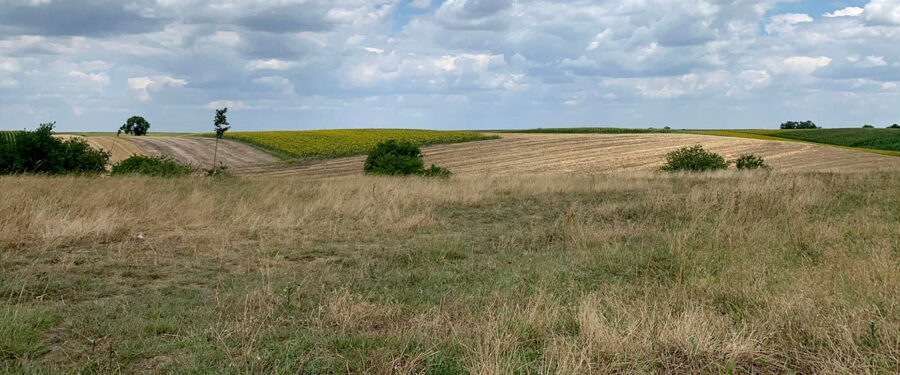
x,y
158,166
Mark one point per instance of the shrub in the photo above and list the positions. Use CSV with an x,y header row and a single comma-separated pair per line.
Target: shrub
x,y
159,166
136,125
394,158
895,126
867,126
39,151
694,158
799,125
750,161
436,171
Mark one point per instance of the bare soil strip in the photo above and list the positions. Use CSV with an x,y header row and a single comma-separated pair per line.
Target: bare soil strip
x,y
198,152
535,153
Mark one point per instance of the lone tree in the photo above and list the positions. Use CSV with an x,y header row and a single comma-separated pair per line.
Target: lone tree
x,y
895,126
136,125
221,127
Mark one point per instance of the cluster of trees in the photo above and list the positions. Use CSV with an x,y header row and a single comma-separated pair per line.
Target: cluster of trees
x,y
799,125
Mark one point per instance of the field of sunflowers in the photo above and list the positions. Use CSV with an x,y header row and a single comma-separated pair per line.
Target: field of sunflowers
x,y
344,142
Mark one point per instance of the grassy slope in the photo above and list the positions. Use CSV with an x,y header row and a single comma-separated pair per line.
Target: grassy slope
x,y
763,273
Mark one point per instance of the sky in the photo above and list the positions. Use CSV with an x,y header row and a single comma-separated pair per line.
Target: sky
x,y
448,64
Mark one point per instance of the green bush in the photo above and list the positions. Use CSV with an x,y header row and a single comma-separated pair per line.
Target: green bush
x,y
694,158
436,171
39,151
895,126
750,161
396,158
867,126
159,166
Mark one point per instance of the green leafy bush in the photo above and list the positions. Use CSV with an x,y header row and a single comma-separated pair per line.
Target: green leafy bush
x,y
750,161
39,151
395,158
159,166
895,126
867,126
694,158
799,125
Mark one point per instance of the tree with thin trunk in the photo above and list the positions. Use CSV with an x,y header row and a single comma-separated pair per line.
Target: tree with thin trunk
x,y
221,128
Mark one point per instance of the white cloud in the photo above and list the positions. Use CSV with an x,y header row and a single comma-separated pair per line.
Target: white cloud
x,y
883,12
270,64
142,87
786,23
419,4
96,78
801,65
230,104
846,12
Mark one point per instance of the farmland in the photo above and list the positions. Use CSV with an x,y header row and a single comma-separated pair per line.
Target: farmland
x,y
540,273
333,143
877,139
591,153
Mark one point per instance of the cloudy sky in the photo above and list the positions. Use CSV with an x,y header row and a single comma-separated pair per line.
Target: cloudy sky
x,y
448,64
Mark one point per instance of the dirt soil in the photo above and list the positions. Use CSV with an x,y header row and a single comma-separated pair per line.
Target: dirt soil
x,y
198,152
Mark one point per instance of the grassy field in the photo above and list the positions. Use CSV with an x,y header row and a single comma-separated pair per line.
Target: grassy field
x,y
635,273
335,143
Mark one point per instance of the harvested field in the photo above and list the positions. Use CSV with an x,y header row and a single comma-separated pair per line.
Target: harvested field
x,y
120,148
198,152
530,153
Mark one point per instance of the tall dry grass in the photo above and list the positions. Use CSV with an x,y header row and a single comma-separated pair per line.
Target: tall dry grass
x,y
756,272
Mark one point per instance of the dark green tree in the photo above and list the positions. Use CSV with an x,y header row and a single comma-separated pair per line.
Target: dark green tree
x,y
895,126
799,125
221,127
136,125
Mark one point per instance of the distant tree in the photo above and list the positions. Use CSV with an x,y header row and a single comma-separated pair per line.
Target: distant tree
x,y
136,125
867,126
792,125
220,126
895,126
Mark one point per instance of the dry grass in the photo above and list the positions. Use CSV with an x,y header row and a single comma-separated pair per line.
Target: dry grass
x,y
555,273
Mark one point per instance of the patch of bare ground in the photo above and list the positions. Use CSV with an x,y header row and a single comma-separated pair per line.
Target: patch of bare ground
x,y
198,152
535,153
